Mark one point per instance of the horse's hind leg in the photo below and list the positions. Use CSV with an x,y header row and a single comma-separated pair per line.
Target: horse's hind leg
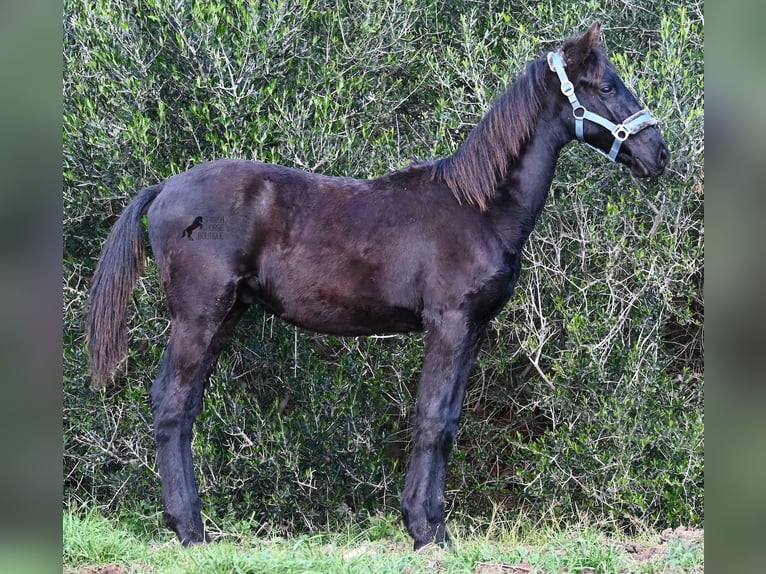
x,y
201,324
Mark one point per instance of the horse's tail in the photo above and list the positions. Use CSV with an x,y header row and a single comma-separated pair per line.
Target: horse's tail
x,y
121,263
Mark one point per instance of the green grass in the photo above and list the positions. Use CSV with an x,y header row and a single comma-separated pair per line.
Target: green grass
x,y
92,542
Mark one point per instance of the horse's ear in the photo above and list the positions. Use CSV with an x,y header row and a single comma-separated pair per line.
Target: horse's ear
x,y
577,50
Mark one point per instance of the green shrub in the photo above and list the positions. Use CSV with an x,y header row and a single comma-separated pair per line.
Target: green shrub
x,y
587,397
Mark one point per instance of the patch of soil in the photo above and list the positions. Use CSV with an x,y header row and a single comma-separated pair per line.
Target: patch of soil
x,y
502,568
642,554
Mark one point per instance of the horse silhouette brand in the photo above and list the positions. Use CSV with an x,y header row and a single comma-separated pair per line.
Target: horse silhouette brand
x,y
195,224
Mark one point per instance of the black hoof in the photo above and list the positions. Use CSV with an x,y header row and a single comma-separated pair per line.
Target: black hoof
x,y
443,542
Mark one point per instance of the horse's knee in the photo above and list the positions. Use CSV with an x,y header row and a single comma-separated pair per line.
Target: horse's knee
x,y
435,433
168,429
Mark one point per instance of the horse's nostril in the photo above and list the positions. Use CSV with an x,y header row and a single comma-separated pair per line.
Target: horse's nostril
x,y
663,156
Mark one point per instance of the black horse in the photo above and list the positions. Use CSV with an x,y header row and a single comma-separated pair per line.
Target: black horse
x,y
433,247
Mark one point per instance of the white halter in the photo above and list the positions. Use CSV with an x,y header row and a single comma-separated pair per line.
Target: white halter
x,y
629,126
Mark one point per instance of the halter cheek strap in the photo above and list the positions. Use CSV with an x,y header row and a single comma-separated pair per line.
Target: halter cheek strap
x,y
629,126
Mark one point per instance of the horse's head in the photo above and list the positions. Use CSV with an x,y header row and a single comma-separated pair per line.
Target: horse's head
x,y
601,111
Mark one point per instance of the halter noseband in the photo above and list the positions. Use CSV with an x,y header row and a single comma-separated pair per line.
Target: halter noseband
x,y
629,126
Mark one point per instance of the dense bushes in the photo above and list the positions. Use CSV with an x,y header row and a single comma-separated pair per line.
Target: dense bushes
x,y
587,398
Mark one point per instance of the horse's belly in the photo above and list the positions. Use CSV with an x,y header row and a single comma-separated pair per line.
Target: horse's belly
x,y
358,320
333,309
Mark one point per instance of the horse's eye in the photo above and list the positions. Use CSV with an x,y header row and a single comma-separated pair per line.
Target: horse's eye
x,y
607,89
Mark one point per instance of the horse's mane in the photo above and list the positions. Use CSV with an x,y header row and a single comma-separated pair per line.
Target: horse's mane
x,y
473,172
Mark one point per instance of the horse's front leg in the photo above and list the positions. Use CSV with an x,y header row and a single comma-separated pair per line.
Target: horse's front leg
x,y
450,351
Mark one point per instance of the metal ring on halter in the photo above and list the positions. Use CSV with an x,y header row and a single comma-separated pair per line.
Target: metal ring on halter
x,y
621,133
582,111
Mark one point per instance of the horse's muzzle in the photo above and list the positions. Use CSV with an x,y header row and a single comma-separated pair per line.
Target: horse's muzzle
x,y
646,168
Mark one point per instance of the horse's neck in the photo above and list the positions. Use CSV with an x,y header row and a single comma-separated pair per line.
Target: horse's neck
x,y
529,178
523,190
